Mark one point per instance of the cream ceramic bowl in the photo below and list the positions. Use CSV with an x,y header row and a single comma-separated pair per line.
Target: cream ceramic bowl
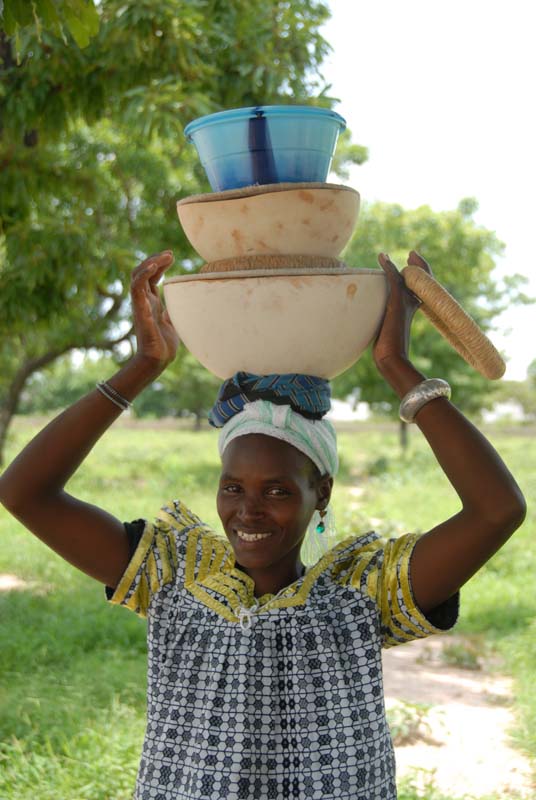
x,y
303,219
261,322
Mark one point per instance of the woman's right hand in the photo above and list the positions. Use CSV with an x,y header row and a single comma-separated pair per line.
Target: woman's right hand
x,y
156,337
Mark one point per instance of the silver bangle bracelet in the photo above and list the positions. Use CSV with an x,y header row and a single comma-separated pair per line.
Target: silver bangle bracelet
x,y
421,394
113,395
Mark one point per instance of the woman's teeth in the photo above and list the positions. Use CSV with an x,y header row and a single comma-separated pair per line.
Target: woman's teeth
x,y
252,537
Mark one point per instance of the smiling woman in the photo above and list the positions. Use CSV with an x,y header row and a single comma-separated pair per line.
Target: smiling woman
x,y
265,678
267,495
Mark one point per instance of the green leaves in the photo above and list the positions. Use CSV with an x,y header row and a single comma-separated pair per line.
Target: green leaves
x,y
16,13
347,153
80,17
462,256
92,152
82,20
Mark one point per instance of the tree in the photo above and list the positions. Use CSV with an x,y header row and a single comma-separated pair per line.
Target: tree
x,y
65,271
93,158
531,373
78,16
462,256
185,386
522,393
64,382
185,389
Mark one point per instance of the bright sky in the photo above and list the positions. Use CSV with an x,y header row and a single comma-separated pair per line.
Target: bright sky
x,y
442,94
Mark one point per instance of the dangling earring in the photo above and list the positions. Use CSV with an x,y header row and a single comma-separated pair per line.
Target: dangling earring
x,y
320,536
320,528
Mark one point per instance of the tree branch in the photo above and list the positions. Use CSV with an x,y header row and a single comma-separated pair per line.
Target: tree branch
x,y
109,344
11,401
6,51
114,308
105,293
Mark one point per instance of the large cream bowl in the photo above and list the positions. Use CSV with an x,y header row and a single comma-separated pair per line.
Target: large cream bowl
x,y
261,322
302,219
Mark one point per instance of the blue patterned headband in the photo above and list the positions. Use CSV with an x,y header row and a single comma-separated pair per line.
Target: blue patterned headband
x,y
305,394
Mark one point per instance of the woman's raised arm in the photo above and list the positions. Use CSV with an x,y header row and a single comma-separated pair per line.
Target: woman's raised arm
x,y
32,487
492,503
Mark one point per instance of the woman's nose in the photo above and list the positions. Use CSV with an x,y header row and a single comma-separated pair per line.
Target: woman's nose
x,y
250,509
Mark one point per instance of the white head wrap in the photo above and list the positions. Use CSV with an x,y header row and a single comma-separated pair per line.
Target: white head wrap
x,y
316,438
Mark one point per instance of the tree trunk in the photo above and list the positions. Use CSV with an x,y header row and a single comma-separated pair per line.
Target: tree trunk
x,y
403,432
11,401
8,405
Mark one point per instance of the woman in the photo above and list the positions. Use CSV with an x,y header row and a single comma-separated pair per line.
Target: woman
x,y
265,678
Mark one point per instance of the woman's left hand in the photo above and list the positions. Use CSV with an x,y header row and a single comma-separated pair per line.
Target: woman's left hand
x,y
446,556
392,343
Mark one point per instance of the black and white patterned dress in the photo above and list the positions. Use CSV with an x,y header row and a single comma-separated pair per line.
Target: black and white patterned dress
x,y
274,697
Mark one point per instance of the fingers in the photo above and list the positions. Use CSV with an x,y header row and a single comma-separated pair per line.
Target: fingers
x,y
384,261
397,284
415,260
151,270
387,265
159,261
164,261
393,275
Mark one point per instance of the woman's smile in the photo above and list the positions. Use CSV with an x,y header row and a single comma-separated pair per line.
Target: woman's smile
x,y
267,494
251,538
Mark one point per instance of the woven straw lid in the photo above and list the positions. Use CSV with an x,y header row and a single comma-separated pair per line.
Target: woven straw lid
x,y
273,262
256,189
458,328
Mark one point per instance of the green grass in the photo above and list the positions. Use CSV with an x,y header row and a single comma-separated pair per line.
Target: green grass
x,y
72,690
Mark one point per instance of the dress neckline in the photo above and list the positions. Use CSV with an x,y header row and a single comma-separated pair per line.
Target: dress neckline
x,y
239,573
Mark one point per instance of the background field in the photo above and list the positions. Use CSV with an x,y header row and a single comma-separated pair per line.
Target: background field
x,y
72,692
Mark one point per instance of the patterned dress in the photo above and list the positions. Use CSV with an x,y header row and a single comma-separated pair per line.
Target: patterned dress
x,y
273,697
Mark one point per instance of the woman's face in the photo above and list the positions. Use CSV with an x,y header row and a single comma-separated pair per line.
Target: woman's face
x,y
266,497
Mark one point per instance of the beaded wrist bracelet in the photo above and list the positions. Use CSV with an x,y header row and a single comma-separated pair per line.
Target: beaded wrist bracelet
x,y
113,395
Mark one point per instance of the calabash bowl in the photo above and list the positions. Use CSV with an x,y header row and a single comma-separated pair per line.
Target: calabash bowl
x,y
261,322
302,219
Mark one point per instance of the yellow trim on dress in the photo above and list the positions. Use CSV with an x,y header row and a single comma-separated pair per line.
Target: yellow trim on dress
x,y
222,576
210,566
407,592
131,571
155,544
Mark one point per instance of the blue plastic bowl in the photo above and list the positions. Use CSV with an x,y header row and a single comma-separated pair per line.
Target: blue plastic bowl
x,y
266,144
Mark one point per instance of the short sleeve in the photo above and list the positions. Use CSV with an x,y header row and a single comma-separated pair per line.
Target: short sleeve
x,y
152,566
383,573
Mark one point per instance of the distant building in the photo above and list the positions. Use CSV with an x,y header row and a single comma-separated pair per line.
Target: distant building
x,y
342,411
509,410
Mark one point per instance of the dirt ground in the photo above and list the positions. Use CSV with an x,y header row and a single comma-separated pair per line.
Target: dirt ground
x,y
464,741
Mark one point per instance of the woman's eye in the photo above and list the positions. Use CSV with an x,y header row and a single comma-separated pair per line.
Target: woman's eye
x,y
231,488
277,491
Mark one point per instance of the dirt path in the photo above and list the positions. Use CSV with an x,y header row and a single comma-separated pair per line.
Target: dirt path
x,y
9,582
464,735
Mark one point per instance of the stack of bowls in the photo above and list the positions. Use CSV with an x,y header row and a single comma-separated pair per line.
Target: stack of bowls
x,y
273,295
